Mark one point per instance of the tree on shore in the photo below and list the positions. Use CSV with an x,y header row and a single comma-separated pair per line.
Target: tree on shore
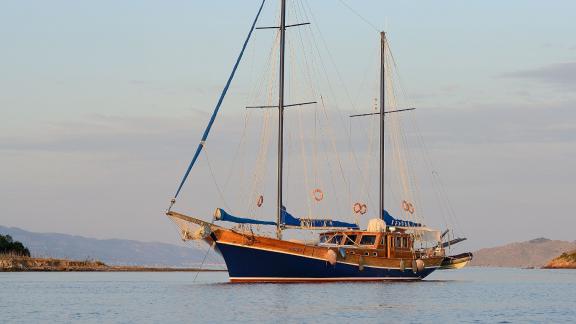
x,y
9,246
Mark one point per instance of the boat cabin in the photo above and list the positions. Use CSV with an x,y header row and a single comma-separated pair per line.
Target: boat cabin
x,y
397,244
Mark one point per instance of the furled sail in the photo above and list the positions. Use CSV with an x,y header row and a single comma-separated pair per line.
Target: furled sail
x,y
287,220
222,215
290,221
391,221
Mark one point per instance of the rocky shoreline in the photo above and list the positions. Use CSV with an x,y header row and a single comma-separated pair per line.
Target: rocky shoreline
x,y
566,260
24,264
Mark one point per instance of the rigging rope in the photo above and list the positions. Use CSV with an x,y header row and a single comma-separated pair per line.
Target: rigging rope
x,y
448,213
260,169
359,16
323,69
220,193
302,144
220,100
260,165
202,264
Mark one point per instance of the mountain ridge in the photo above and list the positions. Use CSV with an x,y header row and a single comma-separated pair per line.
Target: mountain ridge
x,y
532,253
111,251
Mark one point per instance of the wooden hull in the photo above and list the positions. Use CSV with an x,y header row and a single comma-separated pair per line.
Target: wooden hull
x,y
252,258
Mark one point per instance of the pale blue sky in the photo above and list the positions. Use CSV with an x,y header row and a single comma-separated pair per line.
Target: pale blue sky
x,y
102,103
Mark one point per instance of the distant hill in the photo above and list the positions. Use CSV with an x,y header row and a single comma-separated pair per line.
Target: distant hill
x,y
533,253
112,252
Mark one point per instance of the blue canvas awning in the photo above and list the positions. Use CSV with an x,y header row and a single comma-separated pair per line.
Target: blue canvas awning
x,y
391,221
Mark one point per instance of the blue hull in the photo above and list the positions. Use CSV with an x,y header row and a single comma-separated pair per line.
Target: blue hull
x,y
257,265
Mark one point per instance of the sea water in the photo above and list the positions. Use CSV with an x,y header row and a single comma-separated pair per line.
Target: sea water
x,y
478,295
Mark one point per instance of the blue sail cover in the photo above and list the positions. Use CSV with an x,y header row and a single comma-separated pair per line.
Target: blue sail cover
x,y
391,221
288,219
222,215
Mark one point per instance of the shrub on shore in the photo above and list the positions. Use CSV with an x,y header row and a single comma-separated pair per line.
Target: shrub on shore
x,y
9,246
569,256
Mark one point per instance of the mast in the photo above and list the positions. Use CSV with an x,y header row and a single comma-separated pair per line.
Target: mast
x,y
281,118
382,113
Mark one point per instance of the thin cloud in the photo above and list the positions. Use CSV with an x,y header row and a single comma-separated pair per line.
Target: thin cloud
x,y
558,74
171,136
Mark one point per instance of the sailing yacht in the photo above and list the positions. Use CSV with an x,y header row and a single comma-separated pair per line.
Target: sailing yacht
x,y
389,248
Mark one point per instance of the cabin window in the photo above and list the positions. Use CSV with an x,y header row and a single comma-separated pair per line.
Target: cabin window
x,y
367,253
405,242
350,240
375,253
368,240
336,239
323,238
398,242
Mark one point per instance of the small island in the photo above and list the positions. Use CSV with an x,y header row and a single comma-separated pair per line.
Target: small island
x,y
566,260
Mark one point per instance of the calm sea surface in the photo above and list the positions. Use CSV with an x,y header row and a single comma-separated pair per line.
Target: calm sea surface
x,y
468,295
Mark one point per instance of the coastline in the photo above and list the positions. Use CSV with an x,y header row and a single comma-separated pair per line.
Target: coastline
x,y
30,264
566,260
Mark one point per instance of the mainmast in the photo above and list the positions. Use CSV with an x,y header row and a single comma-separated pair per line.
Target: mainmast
x,y
382,113
281,117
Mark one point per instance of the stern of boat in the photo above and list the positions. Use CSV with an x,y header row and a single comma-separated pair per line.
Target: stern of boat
x,y
458,261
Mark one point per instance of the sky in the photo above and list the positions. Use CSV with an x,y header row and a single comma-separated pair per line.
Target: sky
x,y
102,104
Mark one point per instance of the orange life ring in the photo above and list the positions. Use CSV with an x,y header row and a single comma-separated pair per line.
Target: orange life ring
x,y
405,205
318,194
357,208
260,201
363,209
